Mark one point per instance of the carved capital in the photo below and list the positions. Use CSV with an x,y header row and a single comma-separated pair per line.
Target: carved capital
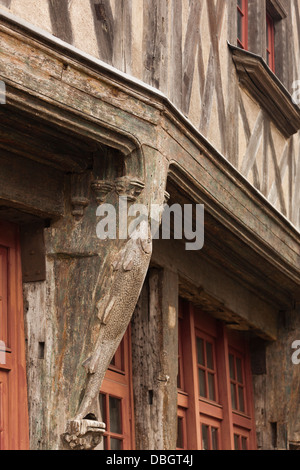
x,y
78,206
129,187
101,188
83,434
79,194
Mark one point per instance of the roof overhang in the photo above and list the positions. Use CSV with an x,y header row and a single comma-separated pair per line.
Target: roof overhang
x,y
82,104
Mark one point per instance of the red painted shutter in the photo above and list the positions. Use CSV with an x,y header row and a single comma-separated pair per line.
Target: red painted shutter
x,y
13,389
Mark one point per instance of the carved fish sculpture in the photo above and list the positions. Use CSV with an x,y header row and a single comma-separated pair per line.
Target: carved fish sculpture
x,y
115,311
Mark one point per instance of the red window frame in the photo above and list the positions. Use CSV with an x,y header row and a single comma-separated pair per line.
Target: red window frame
x,y
270,46
181,429
213,423
117,389
242,24
206,366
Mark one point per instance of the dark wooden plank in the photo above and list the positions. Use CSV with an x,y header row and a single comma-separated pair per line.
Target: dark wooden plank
x,y
232,106
215,20
60,20
104,28
213,79
122,35
291,161
192,40
176,56
257,27
30,186
265,165
155,45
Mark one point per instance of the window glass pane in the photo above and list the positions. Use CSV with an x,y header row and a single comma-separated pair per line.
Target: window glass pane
x,y
231,367
240,27
233,397
211,387
239,370
205,430
241,400
200,351
115,444
202,389
236,442
179,444
244,443
102,406
240,4
179,375
214,439
115,415
209,356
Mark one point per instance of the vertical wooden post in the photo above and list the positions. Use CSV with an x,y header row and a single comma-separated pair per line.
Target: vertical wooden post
x,y
154,362
191,379
224,384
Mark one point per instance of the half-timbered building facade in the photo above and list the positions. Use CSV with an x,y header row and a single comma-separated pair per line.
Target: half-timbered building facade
x,y
140,343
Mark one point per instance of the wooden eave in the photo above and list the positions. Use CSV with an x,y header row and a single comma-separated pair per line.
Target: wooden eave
x,y
263,85
276,9
77,95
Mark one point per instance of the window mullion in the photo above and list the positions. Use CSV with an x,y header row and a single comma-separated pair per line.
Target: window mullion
x,y
189,347
222,353
248,393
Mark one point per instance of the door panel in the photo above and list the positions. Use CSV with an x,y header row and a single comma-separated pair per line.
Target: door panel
x,y
13,388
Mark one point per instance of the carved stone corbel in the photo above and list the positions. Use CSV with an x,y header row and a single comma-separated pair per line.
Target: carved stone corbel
x,y
101,188
109,288
83,434
114,312
79,194
78,206
129,187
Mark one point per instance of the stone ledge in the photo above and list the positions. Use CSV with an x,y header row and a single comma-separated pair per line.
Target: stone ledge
x,y
267,90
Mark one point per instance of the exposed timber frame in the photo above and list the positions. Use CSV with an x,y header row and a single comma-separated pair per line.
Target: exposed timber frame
x,y
266,88
118,117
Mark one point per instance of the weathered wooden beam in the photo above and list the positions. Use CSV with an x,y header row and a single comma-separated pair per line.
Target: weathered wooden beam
x,y
37,145
208,285
30,186
154,347
268,91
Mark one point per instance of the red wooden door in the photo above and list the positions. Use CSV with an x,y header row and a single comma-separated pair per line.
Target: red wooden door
x,y
13,389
